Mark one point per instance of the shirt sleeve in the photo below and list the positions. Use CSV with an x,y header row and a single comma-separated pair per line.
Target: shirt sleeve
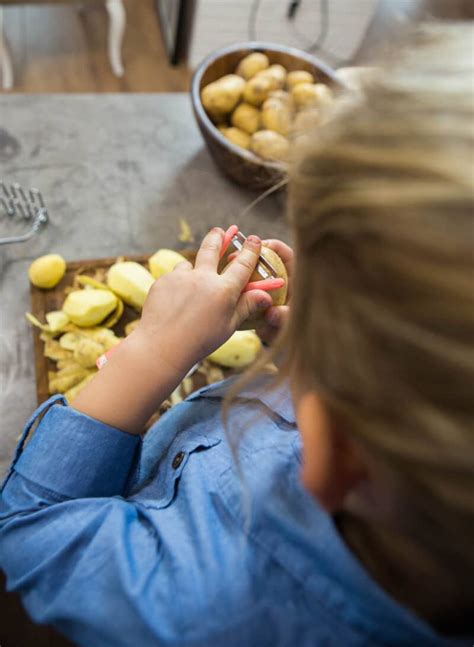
x,y
70,543
75,456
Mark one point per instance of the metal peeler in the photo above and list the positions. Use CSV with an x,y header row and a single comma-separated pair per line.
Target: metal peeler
x,y
236,238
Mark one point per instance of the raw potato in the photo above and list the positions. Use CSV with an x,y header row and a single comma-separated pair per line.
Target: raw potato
x,y
278,296
305,95
164,261
220,97
252,64
278,74
298,76
239,351
89,307
131,281
283,96
257,90
270,145
276,116
47,271
246,118
312,94
306,120
324,94
237,137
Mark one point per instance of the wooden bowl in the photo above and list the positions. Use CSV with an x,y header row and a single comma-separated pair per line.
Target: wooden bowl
x,y
238,163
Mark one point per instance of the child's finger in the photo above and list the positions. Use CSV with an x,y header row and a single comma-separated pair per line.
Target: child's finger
x,y
231,257
277,316
250,303
283,250
265,285
209,253
183,266
242,268
229,234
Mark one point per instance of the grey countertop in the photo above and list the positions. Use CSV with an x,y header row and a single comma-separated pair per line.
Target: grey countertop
x,y
117,172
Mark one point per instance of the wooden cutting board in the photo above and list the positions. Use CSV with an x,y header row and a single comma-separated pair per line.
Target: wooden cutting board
x,y
43,301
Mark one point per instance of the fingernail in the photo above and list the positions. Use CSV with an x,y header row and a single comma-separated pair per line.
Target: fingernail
x,y
263,304
255,240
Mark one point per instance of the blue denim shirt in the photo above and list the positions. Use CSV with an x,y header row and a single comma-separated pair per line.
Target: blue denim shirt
x,y
120,542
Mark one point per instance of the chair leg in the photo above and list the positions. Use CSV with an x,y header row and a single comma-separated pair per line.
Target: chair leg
x,y
117,19
5,59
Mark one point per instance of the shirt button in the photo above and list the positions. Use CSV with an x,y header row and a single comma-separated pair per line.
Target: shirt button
x,y
177,460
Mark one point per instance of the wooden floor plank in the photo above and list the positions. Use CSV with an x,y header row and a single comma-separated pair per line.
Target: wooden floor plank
x,y
58,48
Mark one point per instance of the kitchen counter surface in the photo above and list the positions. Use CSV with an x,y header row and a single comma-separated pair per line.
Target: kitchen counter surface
x,y
116,172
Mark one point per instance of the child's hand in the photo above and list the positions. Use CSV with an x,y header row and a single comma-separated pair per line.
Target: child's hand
x,y
276,316
187,315
195,310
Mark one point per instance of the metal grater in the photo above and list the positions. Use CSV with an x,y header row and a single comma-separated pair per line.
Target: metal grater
x,y
21,206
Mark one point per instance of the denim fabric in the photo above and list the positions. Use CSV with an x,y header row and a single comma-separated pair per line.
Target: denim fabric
x,y
172,541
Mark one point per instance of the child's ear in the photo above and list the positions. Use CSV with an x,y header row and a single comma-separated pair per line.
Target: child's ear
x,y
332,466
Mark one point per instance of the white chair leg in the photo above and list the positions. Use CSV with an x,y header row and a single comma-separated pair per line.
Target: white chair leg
x,y
5,59
117,19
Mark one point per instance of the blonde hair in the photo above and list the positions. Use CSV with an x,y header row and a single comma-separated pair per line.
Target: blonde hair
x,y
382,311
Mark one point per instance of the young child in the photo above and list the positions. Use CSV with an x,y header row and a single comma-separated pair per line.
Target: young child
x,y
368,539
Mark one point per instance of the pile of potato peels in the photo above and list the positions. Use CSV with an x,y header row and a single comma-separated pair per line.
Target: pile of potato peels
x,y
78,334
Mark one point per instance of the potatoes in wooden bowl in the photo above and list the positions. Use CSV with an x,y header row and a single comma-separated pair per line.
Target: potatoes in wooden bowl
x,y
248,130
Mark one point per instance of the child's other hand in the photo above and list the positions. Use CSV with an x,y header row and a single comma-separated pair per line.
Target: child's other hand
x,y
276,316
192,311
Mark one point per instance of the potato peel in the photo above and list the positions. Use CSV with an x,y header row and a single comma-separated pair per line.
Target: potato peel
x,y
36,322
115,316
85,280
185,233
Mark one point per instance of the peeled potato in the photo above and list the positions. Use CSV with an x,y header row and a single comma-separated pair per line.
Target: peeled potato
x,y
89,307
47,271
246,118
252,64
298,76
131,281
276,116
270,145
164,261
238,137
220,97
257,89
